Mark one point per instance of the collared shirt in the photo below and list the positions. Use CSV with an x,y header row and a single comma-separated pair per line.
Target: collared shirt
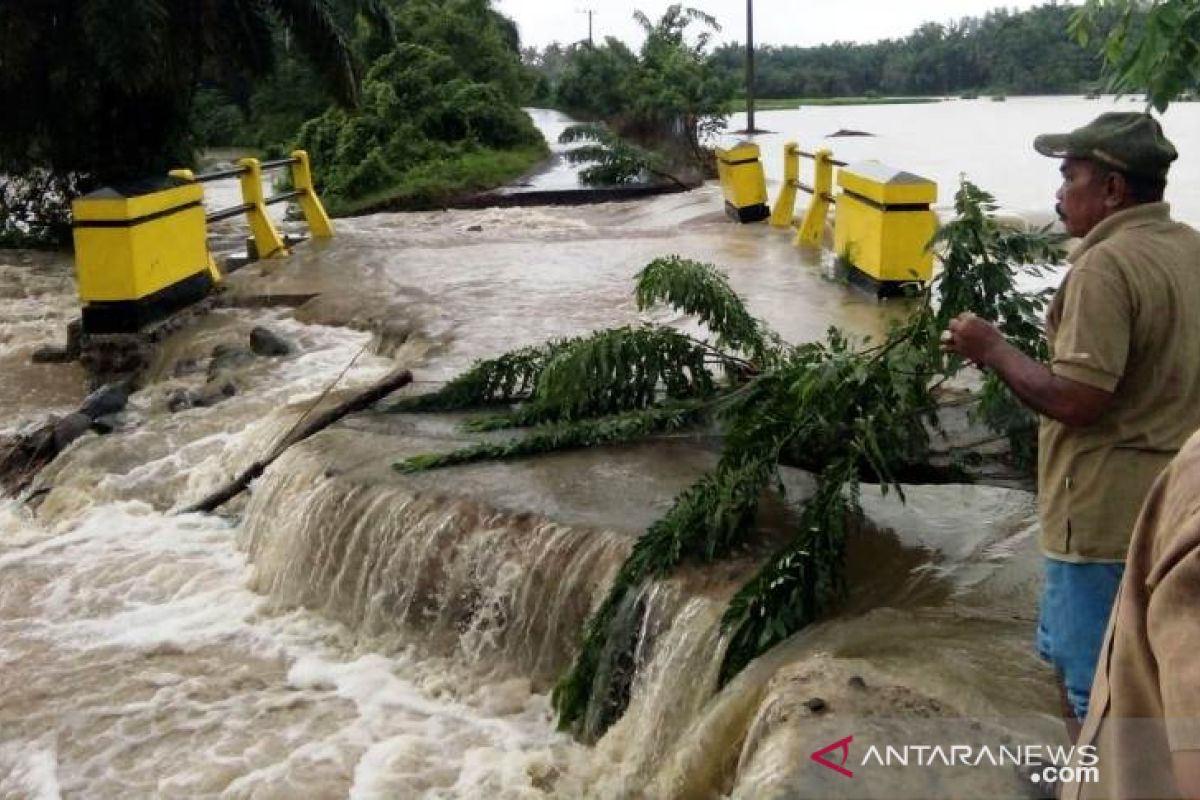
x,y
1126,319
1145,701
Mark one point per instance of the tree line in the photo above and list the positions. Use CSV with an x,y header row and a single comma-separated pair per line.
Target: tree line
x,y
1002,52
1008,52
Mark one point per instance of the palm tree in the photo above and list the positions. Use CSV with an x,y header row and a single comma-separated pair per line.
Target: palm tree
x,y
103,87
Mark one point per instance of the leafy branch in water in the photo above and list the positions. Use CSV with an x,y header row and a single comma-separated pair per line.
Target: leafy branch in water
x,y
586,433
848,410
700,290
982,263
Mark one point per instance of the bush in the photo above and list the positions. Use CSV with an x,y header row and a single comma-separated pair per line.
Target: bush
x,y
420,112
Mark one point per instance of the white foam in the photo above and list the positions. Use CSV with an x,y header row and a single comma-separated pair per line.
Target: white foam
x,y
29,770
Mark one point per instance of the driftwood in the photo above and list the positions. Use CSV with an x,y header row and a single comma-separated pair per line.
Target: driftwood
x,y
303,429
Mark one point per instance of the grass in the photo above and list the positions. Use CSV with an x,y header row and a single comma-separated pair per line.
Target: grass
x,y
776,104
434,184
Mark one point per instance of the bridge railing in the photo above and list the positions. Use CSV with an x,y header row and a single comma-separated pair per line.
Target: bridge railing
x,y
812,228
249,171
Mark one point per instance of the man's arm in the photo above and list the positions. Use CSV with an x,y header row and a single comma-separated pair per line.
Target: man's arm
x,y
1070,402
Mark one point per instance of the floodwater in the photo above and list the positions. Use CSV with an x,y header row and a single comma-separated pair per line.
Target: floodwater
x,y
346,632
988,142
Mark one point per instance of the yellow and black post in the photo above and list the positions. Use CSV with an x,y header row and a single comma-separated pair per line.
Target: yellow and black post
x,y
785,204
141,253
267,241
743,182
310,205
812,229
884,224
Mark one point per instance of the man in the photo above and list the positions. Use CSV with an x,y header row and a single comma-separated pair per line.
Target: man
x,y
1144,717
1122,391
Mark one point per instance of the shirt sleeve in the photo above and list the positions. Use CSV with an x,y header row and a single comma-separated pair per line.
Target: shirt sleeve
x,y
1173,625
1091,342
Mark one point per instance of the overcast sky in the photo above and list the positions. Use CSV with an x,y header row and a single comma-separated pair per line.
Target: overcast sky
x,y
779,22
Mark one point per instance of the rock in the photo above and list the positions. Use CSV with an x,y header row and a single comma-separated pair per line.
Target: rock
x,y
184,367
70,428
106,424
51,354
179,399
209,395
74,338
856,682
816,705
40,443
266,342
474,228
108,399
228,357
216,392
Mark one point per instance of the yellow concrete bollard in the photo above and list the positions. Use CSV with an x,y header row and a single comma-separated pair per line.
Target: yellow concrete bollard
x,y
310,205
266,239
141,253
785,205
812,229
743,182
213,271
884,223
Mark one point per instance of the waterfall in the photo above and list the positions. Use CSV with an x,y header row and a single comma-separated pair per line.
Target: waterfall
x,y
503,592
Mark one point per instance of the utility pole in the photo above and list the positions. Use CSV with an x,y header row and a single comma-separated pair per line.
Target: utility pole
x,y
589,12
750,66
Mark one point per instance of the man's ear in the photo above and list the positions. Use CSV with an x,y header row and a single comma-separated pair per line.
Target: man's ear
x,y
1116,190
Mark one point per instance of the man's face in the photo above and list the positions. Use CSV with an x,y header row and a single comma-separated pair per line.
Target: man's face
x,y
1084,198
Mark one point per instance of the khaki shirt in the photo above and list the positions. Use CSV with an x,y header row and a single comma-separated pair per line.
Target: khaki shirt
x,y
1126,319
1146,697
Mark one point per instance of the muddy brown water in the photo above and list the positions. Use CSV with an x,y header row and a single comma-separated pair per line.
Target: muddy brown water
x,y
345,631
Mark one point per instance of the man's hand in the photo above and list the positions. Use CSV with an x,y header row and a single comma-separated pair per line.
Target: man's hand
x,y
972,338
1070,402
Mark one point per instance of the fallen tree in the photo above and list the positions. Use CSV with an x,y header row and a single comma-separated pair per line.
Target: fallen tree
x,y
851,410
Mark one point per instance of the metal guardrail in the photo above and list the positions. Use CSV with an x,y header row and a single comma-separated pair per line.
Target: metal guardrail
x,y
267,240
812,228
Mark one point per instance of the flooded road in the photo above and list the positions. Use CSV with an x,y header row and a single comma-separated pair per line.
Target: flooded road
x,y
347,632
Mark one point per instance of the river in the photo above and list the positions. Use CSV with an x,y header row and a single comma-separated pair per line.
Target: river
x,y
348,632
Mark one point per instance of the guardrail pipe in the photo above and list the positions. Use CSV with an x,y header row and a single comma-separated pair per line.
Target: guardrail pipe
x,y
266,239
812,230
310,205
785,205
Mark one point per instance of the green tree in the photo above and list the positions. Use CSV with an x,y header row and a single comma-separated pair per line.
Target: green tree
x,y
421,120
101,90
1151,47
851,411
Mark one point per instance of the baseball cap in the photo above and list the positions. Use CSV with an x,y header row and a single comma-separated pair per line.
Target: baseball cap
x,y
1129,141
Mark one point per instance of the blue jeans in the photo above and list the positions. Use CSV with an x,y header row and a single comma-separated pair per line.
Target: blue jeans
x,y
1076,602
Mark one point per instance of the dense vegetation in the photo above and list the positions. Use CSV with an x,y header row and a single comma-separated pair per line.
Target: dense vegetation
x,y
851,411
1009,52
101,91
669,95
1153,48
1029,52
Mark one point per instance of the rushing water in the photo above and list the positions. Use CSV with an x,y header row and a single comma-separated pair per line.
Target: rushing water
x,y
347,632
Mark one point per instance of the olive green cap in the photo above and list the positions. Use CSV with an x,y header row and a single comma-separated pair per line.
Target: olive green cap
x,y
1127,141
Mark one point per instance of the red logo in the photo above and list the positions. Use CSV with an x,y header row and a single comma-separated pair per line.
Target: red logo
x,y
842,745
